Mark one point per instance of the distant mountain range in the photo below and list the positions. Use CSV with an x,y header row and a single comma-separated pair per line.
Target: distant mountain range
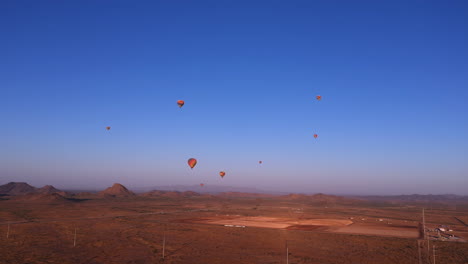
x,y
213,189
21,191
417,198
19,188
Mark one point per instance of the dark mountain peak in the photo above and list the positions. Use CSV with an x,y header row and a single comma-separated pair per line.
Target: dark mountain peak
x,y
117,190
48,189
16,188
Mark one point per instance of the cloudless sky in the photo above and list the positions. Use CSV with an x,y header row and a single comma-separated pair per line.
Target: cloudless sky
x,y
393,76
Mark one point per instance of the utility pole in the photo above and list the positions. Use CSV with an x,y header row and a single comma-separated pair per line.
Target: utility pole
x,y
164,244
419,251
433,253
74,239
8,231
424,224
287,253
424,232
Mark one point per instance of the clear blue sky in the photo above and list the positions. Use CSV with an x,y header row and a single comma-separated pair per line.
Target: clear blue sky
x,y
393,76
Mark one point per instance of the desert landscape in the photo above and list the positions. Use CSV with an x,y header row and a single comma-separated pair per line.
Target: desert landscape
x,y
233,132
116,225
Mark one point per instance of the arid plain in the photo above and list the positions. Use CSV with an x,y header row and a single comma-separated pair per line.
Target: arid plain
x,y
118,226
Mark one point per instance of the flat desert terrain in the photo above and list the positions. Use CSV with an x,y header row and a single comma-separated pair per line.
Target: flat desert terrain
x,y
222,229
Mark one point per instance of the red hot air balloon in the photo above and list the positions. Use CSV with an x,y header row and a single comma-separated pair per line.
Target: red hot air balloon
x,y
318,97
201,184
180,103
315,136
260,162
192,162
108,128
222,173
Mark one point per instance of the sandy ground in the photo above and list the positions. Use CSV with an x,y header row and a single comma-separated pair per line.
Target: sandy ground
x,y
132,231
331,225
275,222
369,229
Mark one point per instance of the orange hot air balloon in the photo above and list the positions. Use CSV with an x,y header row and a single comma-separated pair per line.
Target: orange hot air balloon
x,y
108,128
180,103
192,162
222,173
201,184
315,136
318,97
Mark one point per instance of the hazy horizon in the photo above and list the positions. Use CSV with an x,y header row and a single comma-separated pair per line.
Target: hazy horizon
x,y
224,188
392,76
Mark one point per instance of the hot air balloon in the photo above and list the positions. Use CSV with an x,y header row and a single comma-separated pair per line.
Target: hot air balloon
x,y
180,103
108,128
222,173
318,97
201,184
260,162
315,136
192,162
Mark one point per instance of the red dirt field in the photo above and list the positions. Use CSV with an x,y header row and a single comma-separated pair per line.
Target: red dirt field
x,y
272,222
378,230
330,225
132,230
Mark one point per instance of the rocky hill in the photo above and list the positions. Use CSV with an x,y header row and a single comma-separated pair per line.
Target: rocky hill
x,y
17,188
117,190
49,189
22,188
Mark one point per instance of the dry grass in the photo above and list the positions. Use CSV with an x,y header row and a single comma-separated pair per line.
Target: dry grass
x,y
132,231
